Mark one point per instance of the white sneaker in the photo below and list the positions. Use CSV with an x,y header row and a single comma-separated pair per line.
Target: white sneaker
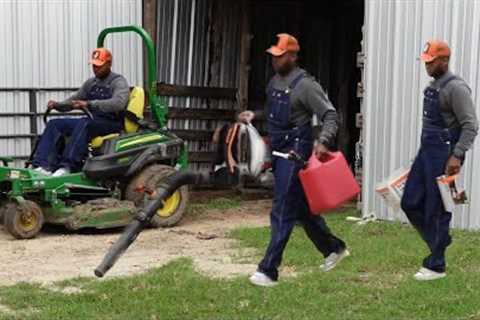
x,y
261,279
333,259
43,171
425,274
61,172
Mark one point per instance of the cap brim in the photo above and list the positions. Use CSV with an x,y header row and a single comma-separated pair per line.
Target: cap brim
x,y
426,57
276,51
97,62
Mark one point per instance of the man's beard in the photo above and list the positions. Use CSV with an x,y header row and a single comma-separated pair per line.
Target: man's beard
x,y
285,69
438,73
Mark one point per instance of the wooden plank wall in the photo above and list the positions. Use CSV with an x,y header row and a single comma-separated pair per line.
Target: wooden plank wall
x,y
225,60
212,93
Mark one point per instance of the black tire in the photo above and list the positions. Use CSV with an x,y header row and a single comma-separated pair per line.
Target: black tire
x,y
151,177
23,221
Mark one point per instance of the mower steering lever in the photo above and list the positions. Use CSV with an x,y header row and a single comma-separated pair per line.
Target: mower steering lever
x,y
65,107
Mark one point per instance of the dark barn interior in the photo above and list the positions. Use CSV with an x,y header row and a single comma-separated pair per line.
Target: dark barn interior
x,y
330,34
222,43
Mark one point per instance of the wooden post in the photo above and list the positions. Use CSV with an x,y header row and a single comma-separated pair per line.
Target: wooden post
x,y
150,25
245,39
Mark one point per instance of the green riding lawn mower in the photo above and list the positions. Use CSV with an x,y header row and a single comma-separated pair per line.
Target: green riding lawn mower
x,y
119,176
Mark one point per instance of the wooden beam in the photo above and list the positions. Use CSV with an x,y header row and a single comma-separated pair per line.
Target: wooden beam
x,y
201,114
171,90
150,18
244,68
194,135
202,156
150,25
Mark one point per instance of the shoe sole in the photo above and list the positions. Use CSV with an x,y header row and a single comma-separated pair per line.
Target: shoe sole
x,y
43,173
419,278
344,254
262,284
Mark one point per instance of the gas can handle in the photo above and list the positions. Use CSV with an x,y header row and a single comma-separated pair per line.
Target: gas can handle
x,y
292,156
329,155
280,154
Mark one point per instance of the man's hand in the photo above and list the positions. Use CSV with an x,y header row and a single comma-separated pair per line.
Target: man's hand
x,y
320,150
453,166
51,104
79,104
246,116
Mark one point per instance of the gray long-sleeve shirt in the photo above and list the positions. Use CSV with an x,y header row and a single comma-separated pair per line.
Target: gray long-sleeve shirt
x,y
308,98
116,103
458,111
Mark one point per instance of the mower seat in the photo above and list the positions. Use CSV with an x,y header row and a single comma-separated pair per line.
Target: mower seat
x,y
136,105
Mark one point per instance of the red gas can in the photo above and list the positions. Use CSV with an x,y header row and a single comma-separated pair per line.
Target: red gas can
x,y
328,183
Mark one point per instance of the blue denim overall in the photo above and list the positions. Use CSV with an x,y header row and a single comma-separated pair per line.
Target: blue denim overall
x,y
421,200
289,203
80,131
104,92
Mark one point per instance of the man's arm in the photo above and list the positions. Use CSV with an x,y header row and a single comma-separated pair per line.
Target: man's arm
x,y
80,94
316,100
464,110
462,105
329,128
117,102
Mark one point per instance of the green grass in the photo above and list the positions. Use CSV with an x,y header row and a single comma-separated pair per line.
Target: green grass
x,y
374,283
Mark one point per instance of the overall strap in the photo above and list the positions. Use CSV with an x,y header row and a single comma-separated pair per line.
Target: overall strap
x,y
446,81
113,77
295,81
92,81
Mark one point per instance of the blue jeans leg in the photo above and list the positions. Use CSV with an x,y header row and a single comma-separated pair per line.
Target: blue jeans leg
x,y
282,217
318,232
46,155
437,229
86,129
413,200
289,205
423,205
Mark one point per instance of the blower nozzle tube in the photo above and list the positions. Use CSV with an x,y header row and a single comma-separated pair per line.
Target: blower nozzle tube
x,y
144,215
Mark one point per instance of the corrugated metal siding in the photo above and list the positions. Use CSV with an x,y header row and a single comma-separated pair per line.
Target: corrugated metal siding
x,y
47,44
395,34
186,55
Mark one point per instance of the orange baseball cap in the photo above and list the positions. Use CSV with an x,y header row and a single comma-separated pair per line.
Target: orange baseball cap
x,y
100,56
434,49
286,43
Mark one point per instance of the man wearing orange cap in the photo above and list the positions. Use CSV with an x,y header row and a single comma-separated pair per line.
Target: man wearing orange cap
x,y
449,129
293,97
106,96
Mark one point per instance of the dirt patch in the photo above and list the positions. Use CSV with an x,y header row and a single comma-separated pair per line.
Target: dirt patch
x,y
57,255
6,310
65,290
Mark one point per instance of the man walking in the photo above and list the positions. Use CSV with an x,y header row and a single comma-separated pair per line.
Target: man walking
x,y
449,129
293,97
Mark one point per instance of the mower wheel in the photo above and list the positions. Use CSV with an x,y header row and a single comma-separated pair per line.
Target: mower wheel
x,y
149,179
23,221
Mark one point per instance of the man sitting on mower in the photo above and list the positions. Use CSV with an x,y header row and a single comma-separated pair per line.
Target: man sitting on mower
x,y
106,97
